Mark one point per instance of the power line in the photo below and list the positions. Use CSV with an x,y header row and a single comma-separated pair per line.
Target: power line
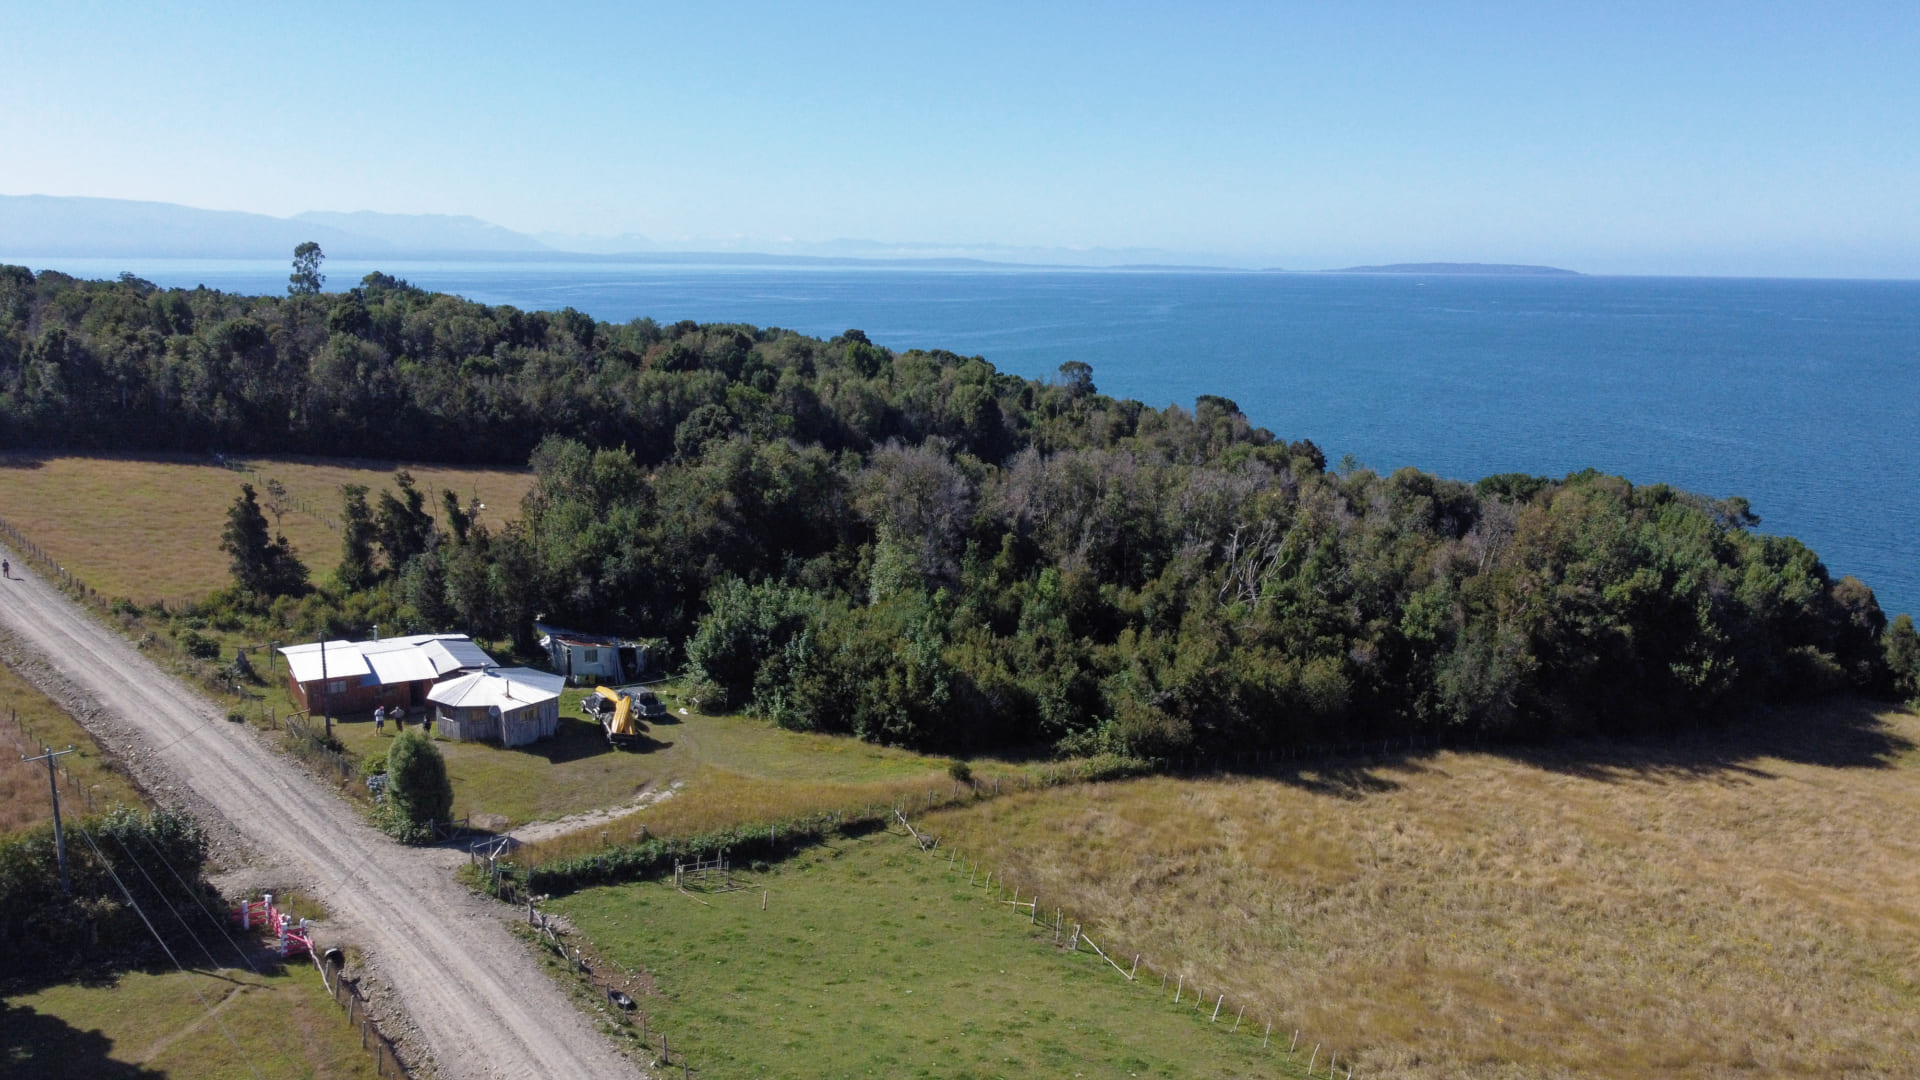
x,y
135,904
189,890
177,917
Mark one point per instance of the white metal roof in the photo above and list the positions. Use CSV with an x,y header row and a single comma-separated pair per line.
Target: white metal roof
x,y
502,688
392,660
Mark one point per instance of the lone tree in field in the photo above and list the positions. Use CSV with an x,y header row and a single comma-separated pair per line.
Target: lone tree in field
x,y
263,563
306,278
417,779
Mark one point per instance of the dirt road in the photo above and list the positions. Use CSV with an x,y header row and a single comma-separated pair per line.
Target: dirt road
x,y
471,991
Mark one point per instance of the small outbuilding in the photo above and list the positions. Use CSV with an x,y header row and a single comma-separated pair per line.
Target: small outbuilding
x,y
595,658
512,706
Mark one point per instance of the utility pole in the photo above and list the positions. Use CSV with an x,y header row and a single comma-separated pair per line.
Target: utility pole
x,y
47,755
326,699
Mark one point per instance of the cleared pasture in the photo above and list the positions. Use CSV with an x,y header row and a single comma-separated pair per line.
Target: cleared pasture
x,y
148,528
871,959
29,720
1727,905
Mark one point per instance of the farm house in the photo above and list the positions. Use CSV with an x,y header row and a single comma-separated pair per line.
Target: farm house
x,y
595,658
513,706
360,676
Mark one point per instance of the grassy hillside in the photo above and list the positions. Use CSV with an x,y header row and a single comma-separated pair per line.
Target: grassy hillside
x,y
149,528
1714,907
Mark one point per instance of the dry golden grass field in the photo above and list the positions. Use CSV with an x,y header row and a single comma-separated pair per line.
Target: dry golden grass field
x,y
1722,906
148,528
30,720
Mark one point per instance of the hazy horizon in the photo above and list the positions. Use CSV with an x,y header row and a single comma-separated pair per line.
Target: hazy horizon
x,y
1722,139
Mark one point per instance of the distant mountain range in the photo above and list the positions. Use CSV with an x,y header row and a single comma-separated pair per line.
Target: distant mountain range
x,y
55,226
108,228
1490,269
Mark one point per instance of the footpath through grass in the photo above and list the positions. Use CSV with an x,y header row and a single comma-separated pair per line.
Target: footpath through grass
x,y
871,959
150,1025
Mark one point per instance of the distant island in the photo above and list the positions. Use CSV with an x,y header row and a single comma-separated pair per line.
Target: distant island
x,y
1485,269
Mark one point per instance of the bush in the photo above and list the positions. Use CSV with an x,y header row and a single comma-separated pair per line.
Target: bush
x,y
418,790
44,934
198,646
961,772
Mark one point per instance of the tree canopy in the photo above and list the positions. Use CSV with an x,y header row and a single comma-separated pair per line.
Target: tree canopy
x,y
918,548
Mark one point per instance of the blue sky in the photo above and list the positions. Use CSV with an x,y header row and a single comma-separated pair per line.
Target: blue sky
x,y
1612,137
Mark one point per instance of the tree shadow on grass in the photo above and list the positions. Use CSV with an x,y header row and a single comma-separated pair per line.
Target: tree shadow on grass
x,y
1834,733
37,1046
1840,732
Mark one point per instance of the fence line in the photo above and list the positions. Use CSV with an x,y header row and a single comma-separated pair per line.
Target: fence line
x,y
622,1008
347,995
1068,935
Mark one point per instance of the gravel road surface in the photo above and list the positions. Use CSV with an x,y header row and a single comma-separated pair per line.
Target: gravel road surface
x,y
470,991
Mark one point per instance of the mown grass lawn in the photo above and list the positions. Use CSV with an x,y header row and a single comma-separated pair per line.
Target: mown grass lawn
x,y
735,767
151,1025
870,959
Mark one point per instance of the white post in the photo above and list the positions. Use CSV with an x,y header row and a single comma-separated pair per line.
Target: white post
x,y
1237,1019
1136,967
1178,987
1268,1035
1216,1009
1314,1058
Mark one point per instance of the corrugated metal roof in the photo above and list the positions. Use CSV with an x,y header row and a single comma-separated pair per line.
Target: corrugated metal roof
x,y
413,658
402,665
343,661
451,654
502,688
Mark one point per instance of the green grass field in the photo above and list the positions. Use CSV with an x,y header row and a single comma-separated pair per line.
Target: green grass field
x,y
744,762
145,1026
871,959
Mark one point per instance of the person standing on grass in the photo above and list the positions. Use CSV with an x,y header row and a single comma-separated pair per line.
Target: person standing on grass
x,y
379,719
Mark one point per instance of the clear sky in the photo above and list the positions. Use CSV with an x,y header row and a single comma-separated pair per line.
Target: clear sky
x,y
1735,138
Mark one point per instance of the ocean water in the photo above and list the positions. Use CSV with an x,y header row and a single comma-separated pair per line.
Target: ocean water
x,y
1802,396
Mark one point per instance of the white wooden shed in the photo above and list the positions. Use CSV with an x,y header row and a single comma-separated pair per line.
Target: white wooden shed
x,y
511,706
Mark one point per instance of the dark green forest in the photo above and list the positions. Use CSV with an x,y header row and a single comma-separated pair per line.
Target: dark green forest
x,y
919,549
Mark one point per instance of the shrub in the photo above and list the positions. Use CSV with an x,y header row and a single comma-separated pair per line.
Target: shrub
x,y
417,786
199,647
961,772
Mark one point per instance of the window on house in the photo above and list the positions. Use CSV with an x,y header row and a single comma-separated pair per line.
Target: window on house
x,y
590,656
337,687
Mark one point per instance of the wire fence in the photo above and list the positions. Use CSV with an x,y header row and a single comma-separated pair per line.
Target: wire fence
x,y
31,741
623,1010
1069,934
346,993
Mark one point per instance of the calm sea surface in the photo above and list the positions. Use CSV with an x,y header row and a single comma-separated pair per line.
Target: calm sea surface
x,y
1803,396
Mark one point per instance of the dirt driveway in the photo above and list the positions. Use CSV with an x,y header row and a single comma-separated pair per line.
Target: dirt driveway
x,y
472,994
